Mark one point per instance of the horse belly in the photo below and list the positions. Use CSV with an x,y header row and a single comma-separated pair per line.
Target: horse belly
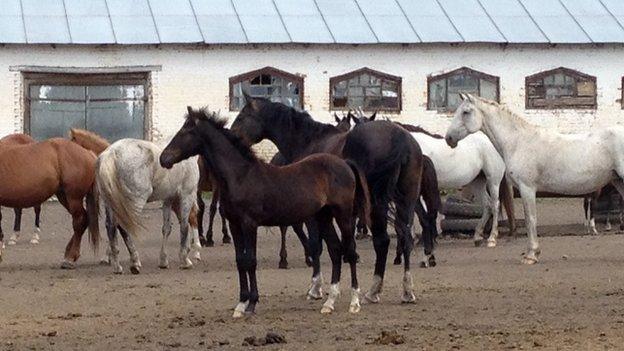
x,y
27,194
575,182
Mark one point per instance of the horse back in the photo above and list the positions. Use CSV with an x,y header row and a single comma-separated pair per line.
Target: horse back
x,y
17,139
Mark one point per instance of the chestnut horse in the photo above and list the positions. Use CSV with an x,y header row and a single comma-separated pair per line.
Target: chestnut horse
x,y
6,142
255,193
32,173
386,153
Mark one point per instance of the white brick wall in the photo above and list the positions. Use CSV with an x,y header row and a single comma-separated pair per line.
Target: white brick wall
x,y
198,76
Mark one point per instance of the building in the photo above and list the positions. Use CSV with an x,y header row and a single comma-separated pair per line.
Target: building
x,y
129,68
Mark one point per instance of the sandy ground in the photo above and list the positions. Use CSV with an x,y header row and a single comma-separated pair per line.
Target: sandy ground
x,y
476,298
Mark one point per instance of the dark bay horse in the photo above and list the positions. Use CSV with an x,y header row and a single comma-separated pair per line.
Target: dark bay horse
x,y
6,142
31,173
255,193
387,154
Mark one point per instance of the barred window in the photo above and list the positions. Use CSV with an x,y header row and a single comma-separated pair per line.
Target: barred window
x,y
443,90
561,88
367,89
268,82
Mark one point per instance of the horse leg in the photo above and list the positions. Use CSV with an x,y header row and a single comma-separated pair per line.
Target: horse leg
x,y
493,206
361,230
428,223
592,218
200,218
478,189
113,251
212,210
166,230
586,205
530,216
194,231
2,247
381,241
283,263
619,186
35,238
346,224
135,268
79,223
16,226
251,236
315,291
239,248
334,247
226,236
182,213
303,238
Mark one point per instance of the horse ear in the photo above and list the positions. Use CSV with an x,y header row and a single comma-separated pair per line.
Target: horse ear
x,y
249,100
189,109
372,118
336,118
462,96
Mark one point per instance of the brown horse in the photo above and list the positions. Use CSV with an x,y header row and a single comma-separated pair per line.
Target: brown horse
x,y
6,142
30,174
255,193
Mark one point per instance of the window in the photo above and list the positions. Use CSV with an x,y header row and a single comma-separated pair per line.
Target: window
x,y
560,88
270,83
367,89
443,90
113,106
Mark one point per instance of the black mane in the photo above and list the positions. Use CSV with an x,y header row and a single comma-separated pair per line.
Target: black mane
x,y
219,123
418,129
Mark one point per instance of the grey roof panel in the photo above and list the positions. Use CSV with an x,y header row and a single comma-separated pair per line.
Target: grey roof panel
x,y
175,21
261,21
346,22
11,24
471,21
388,21
218,22
45,21
213,7
89,22
597,22
555,21
513,21
133,22
430,21
303,21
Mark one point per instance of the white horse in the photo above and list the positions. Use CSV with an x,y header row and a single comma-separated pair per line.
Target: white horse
x,y
541,159
129,176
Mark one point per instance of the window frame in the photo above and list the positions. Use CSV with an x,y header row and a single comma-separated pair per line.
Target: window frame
x,y
299,80
396,79
566,71
477,74
87,79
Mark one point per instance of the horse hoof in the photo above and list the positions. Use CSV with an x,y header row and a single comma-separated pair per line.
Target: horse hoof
x,y
432,261
186,266
134,270
354,308
529,260
491,243
408,297
208,243
397,261
227,240
282,265
34,241
478,242
105,262
238,314
327,310
67,265
163,266
11,242
368,298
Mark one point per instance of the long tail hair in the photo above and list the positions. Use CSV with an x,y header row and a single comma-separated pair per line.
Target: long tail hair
x,y
93,212
506,198
125,210
362,195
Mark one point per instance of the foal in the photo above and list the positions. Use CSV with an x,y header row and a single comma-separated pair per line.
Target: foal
x,y
255,194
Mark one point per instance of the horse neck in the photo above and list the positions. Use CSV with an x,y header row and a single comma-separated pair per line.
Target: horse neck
x,y
504,130
294,139
223,159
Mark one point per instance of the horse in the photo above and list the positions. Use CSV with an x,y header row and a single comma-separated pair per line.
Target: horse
x,y
474,165
6,142
208,183
389,157
255,193
32,173
129,177
343,124
542,159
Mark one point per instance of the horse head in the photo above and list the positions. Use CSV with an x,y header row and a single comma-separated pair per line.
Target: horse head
x,y
468,119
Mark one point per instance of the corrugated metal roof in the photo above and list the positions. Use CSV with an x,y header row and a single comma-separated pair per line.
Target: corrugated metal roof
x,y
310,21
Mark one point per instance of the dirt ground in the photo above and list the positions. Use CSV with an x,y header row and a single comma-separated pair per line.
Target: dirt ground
x,y
476,298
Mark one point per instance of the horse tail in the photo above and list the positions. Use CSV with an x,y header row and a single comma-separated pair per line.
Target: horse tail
x,y
505,196
93,212
124,210
362,195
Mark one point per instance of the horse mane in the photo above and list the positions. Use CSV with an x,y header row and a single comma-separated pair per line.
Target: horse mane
x,y
419,129
505,112
89,140
218,122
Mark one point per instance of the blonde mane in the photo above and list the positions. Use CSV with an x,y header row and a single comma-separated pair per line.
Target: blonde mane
x,y
89,140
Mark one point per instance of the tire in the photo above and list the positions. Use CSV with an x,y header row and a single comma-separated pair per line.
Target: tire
x,y
462,209
462,225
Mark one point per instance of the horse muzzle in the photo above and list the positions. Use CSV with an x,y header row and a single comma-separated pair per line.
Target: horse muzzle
x,y
167,160
450,141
